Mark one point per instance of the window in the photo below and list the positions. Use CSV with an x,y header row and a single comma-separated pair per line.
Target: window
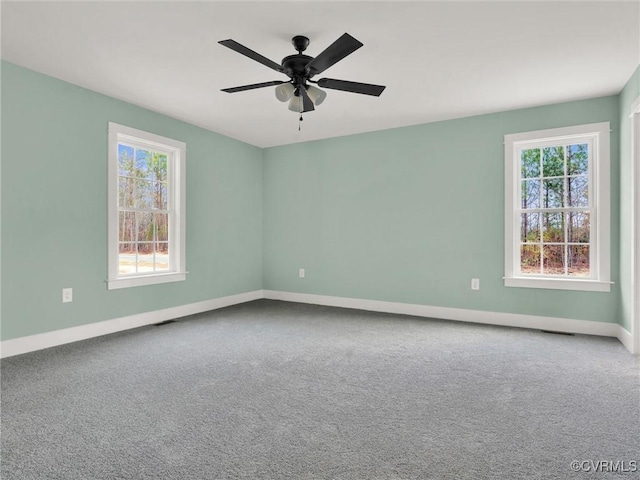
x,y
146,208
557,208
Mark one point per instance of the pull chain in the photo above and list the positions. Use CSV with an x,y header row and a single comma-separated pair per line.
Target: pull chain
x,y
301,108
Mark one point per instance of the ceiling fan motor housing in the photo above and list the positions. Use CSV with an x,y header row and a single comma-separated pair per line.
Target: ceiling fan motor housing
x,y
296,66
300,43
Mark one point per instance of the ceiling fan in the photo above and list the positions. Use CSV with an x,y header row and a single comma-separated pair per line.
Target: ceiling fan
x,y
301,68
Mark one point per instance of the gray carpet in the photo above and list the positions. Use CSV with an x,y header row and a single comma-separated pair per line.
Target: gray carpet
x,y
274,390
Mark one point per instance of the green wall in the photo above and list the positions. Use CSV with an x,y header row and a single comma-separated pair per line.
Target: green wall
x,y
54,210
628,95
403,215
412,214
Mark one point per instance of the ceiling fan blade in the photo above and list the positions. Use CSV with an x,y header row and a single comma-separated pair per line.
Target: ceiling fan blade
x,y
353,87
307,104
335,52
247,52
252,86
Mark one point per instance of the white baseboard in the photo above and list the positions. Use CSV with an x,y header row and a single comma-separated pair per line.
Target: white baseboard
x,y
474,316
626,339
40,341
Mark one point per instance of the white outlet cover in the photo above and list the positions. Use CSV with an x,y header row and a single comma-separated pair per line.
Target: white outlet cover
x,y
67,295
301,272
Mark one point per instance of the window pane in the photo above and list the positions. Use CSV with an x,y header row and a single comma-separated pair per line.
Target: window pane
x,y
162,226
530,227
125,192
553,161
578,191
145,227
145,257
127,258
530,194
143,196
145,249
157,167
530,161
142,164
162,256
553,258
578,261
125,160
162,247
552,227
530,259
553,193
577,159
579,227
126,226
160,195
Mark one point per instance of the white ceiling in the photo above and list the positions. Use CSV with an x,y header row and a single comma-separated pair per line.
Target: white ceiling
x,y
439,60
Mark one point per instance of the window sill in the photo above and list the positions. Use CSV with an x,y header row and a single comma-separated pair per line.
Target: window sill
x,y
558,284
142,280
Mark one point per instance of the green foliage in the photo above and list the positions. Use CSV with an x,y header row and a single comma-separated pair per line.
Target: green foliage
x,y
553,161
530,257
577,159
530,161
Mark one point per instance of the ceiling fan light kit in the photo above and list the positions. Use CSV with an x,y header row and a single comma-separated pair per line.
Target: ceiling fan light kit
x,y
300,69
284,92
316,95
287,92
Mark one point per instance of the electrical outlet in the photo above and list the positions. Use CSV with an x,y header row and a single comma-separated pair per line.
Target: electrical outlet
x,y
301,272
67,295
475,284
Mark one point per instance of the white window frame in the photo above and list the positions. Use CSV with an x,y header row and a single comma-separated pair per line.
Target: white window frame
x,y
176,159
597,134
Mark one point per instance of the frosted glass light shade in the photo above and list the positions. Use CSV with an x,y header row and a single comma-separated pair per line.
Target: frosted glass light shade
x,y
295,104
284,92
316,95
